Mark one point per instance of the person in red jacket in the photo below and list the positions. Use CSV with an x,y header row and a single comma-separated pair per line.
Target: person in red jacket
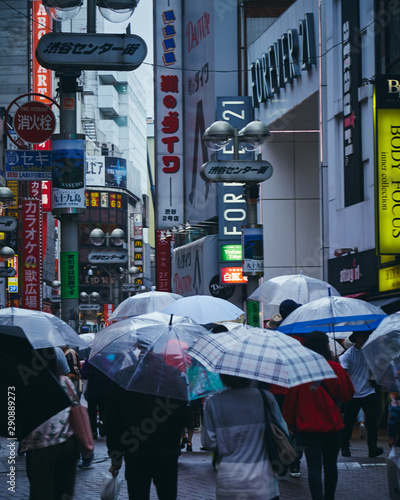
x,y
313,411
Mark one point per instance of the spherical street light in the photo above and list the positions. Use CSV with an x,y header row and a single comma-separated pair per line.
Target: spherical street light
x,y
117,237
117,11
254,134
218,135
7,253
97,237
6,197
62,10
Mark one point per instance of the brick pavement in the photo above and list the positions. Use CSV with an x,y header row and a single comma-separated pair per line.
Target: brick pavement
x,y
359,476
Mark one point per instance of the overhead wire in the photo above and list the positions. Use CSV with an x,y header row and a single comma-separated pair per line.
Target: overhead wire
x,y
181,68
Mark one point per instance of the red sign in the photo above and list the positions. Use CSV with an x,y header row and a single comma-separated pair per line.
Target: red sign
x,y
31,255
233,275
163,263
34,122
46,196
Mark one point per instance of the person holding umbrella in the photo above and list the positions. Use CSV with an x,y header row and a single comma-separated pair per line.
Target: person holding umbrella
x,y
313,410
365,396
233,427
52,450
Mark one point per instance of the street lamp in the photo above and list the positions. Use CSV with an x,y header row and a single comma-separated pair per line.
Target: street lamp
x,y
97,237
6,197
250,173
115,11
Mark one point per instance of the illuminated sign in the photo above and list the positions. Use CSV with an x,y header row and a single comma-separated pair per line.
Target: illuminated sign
x,y
389,279
231,252
233,275
387,169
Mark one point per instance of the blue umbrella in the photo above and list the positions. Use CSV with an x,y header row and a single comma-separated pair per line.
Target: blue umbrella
x,y
333,314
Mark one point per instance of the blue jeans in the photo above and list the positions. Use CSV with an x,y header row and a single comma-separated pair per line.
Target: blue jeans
x,y
322,449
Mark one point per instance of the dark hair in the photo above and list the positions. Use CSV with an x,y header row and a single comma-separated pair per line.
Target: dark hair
x,y
219,329
235,382
319,342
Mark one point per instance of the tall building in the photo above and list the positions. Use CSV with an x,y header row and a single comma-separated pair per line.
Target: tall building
x,y
112,116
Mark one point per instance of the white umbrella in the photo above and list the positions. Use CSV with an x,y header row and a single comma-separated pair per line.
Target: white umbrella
x,y
265,355
382,352
298,287
333,314
143,303
204,309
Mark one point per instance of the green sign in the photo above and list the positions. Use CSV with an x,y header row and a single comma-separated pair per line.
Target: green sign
x,y
231,252
253,313
69,275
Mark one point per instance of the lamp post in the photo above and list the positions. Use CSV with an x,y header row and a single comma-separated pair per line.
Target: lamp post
x,y
250,173
65,205
109,258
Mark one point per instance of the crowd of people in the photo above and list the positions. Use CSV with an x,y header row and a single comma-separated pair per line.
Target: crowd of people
x,y
148,433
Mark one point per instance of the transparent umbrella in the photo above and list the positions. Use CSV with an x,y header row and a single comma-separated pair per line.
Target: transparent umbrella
x,y
382,352
148,354
204,309
298,287
331,315
143,303
42,329
264,355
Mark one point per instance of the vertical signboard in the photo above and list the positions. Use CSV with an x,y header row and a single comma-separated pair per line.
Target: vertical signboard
x,y
351,62
69,275
168,112
163,263
68,176
138,247
31,254
42,78
238,112
210,62
387,147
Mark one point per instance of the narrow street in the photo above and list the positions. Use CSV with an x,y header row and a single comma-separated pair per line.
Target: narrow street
x,y
360,477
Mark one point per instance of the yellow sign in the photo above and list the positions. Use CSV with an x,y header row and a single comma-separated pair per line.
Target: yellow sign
x,y
389,279
388,181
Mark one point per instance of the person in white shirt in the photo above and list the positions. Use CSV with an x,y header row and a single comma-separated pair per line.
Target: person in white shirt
x,y
365,396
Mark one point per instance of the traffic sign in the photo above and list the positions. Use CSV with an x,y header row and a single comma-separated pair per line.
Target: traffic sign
x,y
91,51
236,171
89,307
34,122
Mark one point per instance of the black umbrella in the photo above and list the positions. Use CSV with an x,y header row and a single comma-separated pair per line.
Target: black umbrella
x,y
29,392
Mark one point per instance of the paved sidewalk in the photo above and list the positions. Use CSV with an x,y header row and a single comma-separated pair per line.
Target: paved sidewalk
x,y
360,477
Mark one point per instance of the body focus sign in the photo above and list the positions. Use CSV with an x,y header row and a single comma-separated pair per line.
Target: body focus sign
x,y
34,122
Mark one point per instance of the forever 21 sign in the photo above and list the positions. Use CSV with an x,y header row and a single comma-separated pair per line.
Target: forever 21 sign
x,y
283,61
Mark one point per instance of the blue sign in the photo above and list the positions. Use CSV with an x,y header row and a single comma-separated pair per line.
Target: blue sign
x,y
29,165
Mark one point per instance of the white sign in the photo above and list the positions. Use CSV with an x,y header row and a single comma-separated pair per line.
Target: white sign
x,y
169,112
95,171
108,257
236,171
89,307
